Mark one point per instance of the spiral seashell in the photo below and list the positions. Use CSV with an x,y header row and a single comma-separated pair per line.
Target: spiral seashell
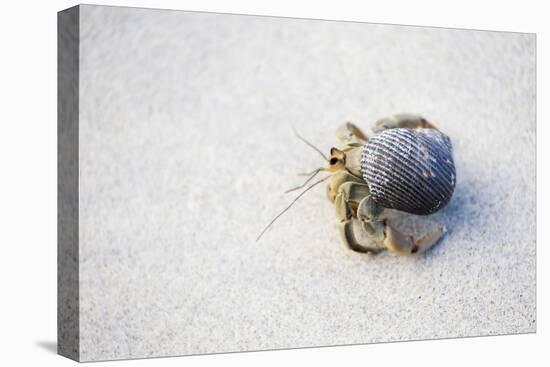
x,y
411,170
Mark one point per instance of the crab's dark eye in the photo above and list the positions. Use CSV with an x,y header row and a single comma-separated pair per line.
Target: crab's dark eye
x,y
333,161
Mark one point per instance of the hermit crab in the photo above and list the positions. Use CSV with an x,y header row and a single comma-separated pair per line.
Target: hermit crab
x,y
407,166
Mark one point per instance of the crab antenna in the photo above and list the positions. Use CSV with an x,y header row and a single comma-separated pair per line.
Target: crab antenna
x,y
307,173
289,206
310,145
311,177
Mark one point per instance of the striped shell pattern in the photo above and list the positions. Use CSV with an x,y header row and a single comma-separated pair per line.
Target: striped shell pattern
x,y
411,170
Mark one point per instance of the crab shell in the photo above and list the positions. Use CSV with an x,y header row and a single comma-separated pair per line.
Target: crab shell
x,y
411,170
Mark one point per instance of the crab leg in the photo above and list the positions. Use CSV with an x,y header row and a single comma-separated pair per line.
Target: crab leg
x,y
403,244
349,134
407,120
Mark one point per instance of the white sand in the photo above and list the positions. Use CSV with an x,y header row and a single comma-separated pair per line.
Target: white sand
x,y
187,145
